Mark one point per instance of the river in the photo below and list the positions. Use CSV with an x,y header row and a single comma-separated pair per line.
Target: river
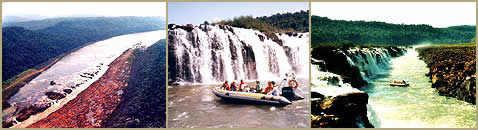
x,y
75,71
195,106
415,106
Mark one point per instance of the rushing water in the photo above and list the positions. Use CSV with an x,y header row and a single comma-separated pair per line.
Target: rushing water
x,y
418,105
74,71
197,107
214,53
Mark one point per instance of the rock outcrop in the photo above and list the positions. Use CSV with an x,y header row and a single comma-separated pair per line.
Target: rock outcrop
x,y
452,70
350,63
342,111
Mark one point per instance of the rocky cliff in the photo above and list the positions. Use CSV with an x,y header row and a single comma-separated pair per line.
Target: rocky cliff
x,y
452,70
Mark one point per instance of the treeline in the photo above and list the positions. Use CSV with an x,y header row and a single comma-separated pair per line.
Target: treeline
x,y
144,100
285,22
24,49
325,30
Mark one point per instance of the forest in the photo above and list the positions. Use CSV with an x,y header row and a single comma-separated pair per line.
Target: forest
x,y
325,30
24,49
285,22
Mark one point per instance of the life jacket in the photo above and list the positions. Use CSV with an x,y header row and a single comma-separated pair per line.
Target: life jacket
x,y
293,83
268,88
226,86
241,86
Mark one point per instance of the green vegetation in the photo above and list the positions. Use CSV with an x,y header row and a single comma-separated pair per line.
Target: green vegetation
x,y
14,78
24,49
286,22
346,45
325,30
250,23
289,22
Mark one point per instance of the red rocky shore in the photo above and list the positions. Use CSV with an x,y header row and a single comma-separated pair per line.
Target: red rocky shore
x,y
452,70
93,105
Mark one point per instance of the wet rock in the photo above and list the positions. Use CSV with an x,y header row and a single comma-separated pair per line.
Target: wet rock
x,y
68,91
7,124
452,70
261,37
187,27
52,82
25,113
54,95
343,111
5,104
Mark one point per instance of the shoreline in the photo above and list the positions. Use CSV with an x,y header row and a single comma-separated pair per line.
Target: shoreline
x,y
95,103
13,88
452,70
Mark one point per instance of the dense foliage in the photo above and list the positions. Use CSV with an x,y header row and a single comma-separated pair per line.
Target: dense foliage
x,y
24,49
285,22
144,101
297,22
325,30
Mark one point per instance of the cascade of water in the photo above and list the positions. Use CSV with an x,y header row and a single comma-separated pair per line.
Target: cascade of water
x,y
214,53
370,61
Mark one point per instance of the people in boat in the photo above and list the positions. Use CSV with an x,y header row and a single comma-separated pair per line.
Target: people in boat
x,y
275,90
225,86
242,86
268,89
233,86
258,87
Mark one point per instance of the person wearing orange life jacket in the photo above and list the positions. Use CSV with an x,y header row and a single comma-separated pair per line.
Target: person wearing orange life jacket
x,y
242,86
225,86
268,89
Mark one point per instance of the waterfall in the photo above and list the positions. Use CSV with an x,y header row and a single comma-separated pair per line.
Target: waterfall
x,y
372,61
214,53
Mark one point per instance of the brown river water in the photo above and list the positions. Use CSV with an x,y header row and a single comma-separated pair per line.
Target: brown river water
x,y
195,106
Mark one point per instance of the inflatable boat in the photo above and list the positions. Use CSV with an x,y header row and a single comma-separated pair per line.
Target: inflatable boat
x,y
251,97
399,84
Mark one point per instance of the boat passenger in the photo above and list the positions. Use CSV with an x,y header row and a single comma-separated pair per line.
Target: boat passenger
x,y
233,86
258,87
275,90
242,86
225,86
268,89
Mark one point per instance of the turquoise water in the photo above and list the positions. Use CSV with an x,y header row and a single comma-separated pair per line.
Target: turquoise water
x,y
418,105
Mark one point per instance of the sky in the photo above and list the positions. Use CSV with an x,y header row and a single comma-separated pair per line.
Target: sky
x,y
198,12
68,9
436,14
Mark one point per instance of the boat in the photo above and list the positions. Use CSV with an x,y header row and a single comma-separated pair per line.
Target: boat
x,y
251,97
400,84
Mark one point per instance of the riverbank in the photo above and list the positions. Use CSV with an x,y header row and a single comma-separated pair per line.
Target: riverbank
x,y
94,104
13,85
452,70
338,71
143,103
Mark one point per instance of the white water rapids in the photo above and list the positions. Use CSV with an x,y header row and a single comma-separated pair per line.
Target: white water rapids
x,y
211,54
416,106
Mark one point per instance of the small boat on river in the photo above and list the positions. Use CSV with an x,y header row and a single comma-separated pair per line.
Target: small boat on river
x,y
398,83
